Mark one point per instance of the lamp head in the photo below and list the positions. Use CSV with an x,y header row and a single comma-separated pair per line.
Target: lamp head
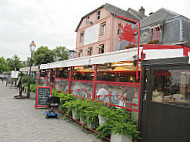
x,y
32,46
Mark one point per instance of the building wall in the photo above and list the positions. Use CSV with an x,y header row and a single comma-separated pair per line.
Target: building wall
x,y
110,40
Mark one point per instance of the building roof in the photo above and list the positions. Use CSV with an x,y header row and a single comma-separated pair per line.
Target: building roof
x,y
160,15
113,10
135,13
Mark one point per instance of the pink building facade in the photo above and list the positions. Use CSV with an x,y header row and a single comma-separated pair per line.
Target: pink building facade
x,y
98,32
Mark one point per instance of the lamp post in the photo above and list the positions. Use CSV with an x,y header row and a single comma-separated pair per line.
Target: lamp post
x,y
32,49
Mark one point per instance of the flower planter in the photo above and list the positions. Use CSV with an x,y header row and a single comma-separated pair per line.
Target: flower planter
x,y
119,138
91,125
102,120
74,115
82,120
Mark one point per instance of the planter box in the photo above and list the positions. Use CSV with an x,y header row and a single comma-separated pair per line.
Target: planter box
x,y
119,138
102,120
82,120
91,126
74,115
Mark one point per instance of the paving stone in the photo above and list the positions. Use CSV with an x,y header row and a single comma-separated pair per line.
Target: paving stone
x,y
21,122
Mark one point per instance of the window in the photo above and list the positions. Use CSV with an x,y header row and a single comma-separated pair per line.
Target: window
x,y
118,30
43,73
98,15
88,20
171,87
89,51
81,36
155,33
62,73
80,53
101,49
103,29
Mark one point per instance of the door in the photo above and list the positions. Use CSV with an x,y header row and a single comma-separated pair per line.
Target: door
x,y
165,103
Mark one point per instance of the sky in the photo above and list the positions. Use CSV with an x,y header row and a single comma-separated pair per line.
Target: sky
x,y
52,23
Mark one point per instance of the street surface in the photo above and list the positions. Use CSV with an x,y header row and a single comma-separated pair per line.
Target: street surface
x,y
21,122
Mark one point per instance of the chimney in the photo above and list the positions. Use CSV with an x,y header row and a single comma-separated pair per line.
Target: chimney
x,y
142,11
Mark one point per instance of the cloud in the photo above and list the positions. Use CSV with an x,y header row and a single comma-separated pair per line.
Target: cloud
x,y
53,23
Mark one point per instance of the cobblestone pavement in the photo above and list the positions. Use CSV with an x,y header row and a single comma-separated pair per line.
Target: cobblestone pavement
x,y
20,122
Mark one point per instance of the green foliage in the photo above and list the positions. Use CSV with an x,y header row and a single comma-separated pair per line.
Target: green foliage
x,y
14,63
3,65
43,55
117,120
33,87
61,53
153,42
25,79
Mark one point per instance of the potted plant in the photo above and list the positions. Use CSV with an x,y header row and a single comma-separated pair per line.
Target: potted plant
x,y
120,126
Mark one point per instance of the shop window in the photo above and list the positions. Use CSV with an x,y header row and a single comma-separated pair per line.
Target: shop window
x,y
117,72
43,73
83,73
118,94
81,37
172,87
103,29
62,73
98,15
88,20
82,89
89,51
155,33
101,49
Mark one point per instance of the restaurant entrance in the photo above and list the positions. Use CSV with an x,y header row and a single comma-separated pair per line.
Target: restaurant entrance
x,y
165,101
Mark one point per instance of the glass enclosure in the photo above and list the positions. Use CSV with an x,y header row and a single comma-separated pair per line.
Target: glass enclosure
x,y
172,86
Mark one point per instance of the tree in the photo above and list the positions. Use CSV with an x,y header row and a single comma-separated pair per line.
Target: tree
x,y
43,55
61,53
14,63
3,65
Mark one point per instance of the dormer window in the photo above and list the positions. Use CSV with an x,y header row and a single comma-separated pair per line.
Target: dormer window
x,y
88,20
156,33
98,15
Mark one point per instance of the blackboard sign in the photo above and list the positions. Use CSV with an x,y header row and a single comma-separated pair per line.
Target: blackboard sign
x,y
42,94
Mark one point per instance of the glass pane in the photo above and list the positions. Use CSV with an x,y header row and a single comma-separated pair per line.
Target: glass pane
x,y
43,81
82,89
62,73
61,85
172,86
83,73
117,72
120,95
43,73
52,76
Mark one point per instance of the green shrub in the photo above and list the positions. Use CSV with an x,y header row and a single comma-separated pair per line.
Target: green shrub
x,y
26,78
33,87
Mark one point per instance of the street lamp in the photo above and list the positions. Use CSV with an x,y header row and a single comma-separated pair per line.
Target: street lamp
x,y
32,49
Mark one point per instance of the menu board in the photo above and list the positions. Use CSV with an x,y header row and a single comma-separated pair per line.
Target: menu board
x,y
42,95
